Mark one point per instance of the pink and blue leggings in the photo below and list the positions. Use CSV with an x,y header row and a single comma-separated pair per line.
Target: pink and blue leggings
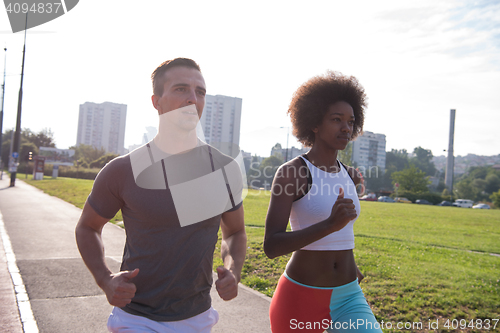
x,y
296,307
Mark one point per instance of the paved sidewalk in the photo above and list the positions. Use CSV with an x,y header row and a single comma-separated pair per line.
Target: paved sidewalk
x,y
62,293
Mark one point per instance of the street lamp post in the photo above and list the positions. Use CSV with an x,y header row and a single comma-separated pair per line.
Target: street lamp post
x,y
1,111
287,132
17,136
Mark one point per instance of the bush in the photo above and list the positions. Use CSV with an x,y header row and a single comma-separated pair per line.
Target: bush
x,y
445,195
73,172
83,164
496,198
102,161
433,198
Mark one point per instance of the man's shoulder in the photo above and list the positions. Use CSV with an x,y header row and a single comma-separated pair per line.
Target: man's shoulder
x,y
218,156
117,166
119,161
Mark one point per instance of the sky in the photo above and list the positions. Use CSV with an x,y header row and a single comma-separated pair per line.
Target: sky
x,y
415,59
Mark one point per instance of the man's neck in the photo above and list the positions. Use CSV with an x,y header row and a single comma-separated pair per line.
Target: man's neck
x,y
172,139
174,144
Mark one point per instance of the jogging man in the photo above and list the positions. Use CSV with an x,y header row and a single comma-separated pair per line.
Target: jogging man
x,y
174,193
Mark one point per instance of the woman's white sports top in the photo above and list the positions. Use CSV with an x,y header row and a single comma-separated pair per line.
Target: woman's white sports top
x,y
317,205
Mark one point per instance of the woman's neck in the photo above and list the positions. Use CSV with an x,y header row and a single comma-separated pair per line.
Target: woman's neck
x,y
325,159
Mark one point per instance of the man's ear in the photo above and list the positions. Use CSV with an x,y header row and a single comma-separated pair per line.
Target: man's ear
x,y
315,130
154,100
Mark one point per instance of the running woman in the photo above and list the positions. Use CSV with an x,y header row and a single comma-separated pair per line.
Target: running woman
x,y
319,289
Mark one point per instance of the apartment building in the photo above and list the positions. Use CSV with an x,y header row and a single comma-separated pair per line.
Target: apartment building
x,y
102,126
220,123
368,151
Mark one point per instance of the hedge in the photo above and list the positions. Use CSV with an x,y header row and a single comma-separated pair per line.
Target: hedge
x,y
72,172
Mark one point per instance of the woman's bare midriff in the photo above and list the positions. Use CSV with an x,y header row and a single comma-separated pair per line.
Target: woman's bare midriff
x,y
322,268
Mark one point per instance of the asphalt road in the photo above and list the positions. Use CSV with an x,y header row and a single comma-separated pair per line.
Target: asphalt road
x,y
59,293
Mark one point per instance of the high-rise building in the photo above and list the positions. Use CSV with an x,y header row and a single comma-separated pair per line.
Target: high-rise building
x,y
151,132
220,122
368,151
102,126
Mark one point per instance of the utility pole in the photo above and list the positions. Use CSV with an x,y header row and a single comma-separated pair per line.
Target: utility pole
x,y
287,132
17,136
450,162
1,111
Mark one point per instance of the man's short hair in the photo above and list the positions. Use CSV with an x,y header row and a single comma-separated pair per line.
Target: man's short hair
x,y
158,77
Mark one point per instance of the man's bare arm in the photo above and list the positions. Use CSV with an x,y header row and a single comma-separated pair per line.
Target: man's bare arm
x,y
118,288
233,251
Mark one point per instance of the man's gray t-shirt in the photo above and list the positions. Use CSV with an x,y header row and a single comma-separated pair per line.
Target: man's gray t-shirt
x,y
175,261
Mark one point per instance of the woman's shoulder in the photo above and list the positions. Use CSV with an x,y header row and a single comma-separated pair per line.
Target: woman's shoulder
x,y
354,173
293,176
293,169
291,179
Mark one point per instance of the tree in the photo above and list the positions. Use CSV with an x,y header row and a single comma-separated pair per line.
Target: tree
x,y
466,190
411,179
5,150
446,195
268,169
441,186
376,179
277,151
44,138
423,161
86,154
253,172
478,183
492,183
345,156
396,160
103,160
495,197
477,172
6,141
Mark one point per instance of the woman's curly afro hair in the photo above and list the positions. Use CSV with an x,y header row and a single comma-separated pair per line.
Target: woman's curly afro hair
x,y
311,102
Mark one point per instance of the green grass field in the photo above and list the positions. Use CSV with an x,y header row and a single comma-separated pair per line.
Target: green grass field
x,y
420,262
72,190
